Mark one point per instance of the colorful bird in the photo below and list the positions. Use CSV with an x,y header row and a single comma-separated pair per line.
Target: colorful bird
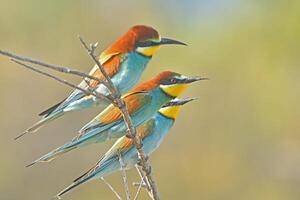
x,y
142,103
124,61
152,132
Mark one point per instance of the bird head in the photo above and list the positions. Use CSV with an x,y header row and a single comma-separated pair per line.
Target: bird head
x,y
171,83
142,39
148,40
172,108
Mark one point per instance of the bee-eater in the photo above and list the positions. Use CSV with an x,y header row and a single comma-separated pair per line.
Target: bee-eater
x,y
124,61
142,103
152,132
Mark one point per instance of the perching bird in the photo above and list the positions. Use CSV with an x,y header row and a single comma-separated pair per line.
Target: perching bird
x,y
124,61
152,133
142,103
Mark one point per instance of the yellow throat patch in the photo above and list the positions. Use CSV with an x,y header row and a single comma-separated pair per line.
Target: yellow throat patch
x,y
148,51
170,112
174,90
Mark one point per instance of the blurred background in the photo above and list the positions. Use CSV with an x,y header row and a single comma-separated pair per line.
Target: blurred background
x,y
240,140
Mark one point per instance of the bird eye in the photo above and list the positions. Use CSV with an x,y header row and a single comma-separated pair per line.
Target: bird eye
x,y
173,80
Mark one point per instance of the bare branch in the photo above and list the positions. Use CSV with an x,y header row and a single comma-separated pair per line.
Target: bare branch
x,y
90,50
87,92
141,184
111,188
145,181
144,163
66,70
143,178
114,97
125,181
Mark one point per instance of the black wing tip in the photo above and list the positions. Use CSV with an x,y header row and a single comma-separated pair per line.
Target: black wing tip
x,y
58,196
47,112
80,177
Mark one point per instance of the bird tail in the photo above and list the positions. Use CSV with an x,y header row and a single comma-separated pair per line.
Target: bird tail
x,y
73,185
73,144
53,154
97,171
41,123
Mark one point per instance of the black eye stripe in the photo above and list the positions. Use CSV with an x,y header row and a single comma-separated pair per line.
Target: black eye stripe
x,y
145,44
172,81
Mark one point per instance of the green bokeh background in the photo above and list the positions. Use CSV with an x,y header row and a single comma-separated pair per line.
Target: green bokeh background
x,y
240,140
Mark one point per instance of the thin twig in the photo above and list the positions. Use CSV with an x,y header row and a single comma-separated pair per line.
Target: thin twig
x,y
137,184
138,190
125,181
141,184
126,116
66,70
109,84
87,92
111,188
145,180
143,177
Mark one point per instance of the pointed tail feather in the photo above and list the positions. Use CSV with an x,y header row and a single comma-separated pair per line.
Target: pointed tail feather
x,y
22,134
29,165
53,154
40,123
51,109
72,186
99,170
75,143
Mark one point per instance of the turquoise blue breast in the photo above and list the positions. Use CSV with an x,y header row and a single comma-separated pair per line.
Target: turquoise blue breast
x,y
159,98
161,129
130,72
152,141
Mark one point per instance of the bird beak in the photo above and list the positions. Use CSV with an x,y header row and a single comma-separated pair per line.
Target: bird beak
x,y
179,102
165,41
193,79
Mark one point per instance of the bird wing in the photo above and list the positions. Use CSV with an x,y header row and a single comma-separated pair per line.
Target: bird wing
x,y
122,145
49,110
111,64
111,115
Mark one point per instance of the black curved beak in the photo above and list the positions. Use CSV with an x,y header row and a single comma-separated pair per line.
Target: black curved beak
x,y
179,102
193,79
165,41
